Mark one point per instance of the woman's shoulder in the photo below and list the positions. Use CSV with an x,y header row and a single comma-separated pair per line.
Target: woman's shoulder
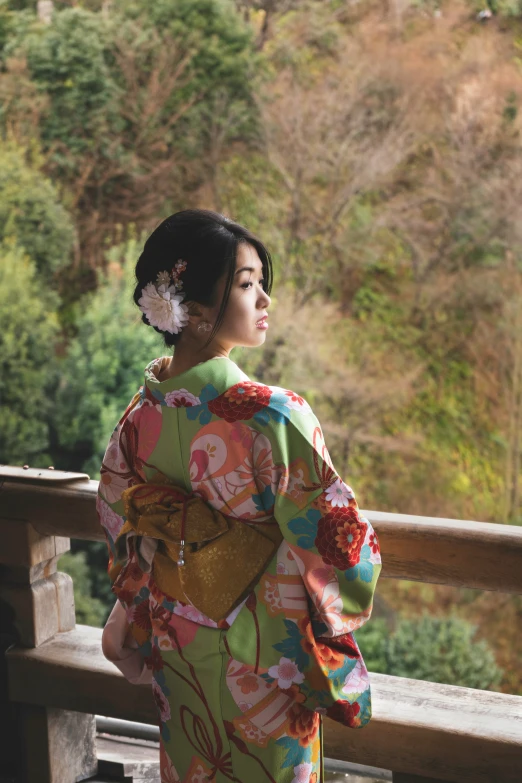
x,y
270,406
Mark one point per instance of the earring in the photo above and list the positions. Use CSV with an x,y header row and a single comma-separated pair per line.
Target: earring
x,y
204,326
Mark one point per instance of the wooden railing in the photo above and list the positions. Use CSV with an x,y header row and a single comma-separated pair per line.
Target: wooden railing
x,y
58,679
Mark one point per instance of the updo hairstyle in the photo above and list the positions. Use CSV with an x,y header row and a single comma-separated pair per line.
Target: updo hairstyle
x,y
208,242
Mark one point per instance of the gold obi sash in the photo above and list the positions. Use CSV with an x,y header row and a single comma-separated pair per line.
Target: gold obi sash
x,y
223,557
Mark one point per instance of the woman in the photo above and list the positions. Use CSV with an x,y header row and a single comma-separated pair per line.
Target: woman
x,y
236,551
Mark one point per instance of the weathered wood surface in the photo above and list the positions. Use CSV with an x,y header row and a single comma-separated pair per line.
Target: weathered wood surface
x,y
420,728
128,759
70,669
56,746
53,508
41,474
44,744
482,555
40,600
22,545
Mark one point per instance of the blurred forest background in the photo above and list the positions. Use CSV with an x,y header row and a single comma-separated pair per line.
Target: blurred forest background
x,y
375,146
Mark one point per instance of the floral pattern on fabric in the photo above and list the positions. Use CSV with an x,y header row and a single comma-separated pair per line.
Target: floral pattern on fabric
x,y
257,453
340,534
241,402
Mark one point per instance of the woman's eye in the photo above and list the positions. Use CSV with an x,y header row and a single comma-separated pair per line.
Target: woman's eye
x,y
246,285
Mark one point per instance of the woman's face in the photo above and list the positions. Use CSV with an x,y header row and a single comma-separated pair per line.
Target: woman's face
x,y
247,304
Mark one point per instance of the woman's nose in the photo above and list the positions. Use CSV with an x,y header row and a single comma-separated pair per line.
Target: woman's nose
x,y
265,298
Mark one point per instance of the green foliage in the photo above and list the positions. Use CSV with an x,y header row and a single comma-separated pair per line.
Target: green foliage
x,y
31,212
89,610
222,42
67,60
223,70
96,559
373,638
430,648
28,333
103,367
133,105
506,7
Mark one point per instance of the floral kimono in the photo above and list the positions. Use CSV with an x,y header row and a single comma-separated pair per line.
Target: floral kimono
x,y
240,698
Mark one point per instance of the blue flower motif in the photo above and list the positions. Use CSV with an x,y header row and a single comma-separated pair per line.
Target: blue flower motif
x,y
364,569
157,396
201,411
277,409
338,676
295,753
305,528
291,647
159,676
365,703
146,649
265,500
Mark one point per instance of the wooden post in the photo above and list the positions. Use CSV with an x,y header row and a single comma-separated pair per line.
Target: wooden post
x,y
43,745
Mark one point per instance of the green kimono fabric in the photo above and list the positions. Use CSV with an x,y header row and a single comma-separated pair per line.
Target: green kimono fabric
x,y
242,699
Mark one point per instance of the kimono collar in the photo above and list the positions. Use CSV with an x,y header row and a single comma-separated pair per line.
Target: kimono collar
x,y
220,372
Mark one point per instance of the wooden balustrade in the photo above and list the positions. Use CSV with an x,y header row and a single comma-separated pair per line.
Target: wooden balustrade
x,y
58,678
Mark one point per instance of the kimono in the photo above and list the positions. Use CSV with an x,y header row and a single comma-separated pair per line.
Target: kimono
x,y
242,699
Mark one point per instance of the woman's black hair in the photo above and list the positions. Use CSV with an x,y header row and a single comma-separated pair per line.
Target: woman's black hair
x,y
208,242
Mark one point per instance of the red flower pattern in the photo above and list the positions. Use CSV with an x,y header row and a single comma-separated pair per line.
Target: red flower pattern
x,y
141,615
340,535
345,713
345,643
126,596
241,401
327,655
303,724
374,543
248,683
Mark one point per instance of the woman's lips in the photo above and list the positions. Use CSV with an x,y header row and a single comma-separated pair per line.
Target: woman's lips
x,y
263,323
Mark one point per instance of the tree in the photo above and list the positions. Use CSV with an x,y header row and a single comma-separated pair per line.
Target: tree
x,y
103,367
31,212
335,127
128,98
28,335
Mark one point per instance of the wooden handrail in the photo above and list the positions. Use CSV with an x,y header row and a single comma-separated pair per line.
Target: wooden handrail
x,y
59,678
482,555
453,733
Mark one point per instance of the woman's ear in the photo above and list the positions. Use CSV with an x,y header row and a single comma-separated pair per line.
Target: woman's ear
x,y
195,312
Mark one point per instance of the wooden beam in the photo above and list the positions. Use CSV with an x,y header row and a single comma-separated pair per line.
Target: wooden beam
x,y
52,508
48,745
57,746
81,677
449,732
482,555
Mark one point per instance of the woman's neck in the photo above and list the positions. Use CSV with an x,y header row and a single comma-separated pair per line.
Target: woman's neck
x,y
182,361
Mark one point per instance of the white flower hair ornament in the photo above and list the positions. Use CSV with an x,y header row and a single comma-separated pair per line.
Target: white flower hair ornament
x,y
161,302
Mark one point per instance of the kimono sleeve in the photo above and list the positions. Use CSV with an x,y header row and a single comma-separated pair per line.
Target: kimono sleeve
x,y
121,469
337,553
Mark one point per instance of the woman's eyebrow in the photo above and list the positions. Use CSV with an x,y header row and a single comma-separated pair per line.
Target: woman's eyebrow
x,y
247,269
